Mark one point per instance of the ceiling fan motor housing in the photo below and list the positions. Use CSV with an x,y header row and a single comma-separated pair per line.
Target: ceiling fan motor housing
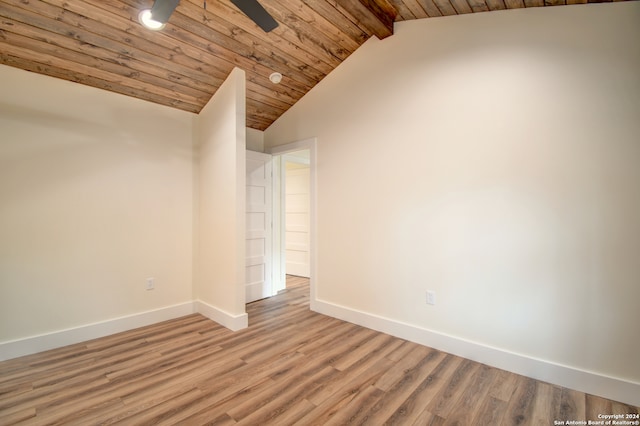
x,y
162,10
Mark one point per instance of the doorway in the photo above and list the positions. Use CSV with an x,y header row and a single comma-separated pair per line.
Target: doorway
x,y
297,207
294,213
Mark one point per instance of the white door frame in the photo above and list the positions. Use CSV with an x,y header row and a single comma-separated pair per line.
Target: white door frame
x,y
278,212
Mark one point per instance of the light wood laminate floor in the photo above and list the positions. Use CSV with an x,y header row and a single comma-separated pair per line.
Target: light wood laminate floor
x,y
291,366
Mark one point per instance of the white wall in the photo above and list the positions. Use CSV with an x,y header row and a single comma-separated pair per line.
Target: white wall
x,y
99,192
494,159
255,140
221,134
95,197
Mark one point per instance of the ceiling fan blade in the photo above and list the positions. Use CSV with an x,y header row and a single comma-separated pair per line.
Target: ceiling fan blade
x,y
162,10
257,13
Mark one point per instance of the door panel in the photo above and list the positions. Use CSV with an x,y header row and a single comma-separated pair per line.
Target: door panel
x,y
297,220
258,227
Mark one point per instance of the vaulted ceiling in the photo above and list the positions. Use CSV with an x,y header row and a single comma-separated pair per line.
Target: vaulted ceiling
x,y
100,43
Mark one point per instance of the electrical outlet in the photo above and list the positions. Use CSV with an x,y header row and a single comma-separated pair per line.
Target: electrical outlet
x,y
151,283
431,297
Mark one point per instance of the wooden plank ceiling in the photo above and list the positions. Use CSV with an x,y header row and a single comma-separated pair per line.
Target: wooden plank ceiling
x,y
100,43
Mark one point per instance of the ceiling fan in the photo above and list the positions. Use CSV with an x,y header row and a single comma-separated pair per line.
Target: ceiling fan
x,y
159,14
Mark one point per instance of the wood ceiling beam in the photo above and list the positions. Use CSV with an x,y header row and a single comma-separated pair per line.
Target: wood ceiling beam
x,y
376,16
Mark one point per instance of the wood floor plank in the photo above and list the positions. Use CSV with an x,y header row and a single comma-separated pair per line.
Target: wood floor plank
x,y
50,397
620,408
444,401
472,397
293,414
342,332
358,352
283,382
572,405
491,412
188,378
358,410
290,366
343,393
546,404
520,409
372,365
402,351
228,385
408,361
215,405
504,386
409,381
282,397
163,410
423,418
90,415
19,416
340,391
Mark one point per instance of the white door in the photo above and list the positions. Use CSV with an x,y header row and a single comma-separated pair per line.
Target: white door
x,y
259,226
297,198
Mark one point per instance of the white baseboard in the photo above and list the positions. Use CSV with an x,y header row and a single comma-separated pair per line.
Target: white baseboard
x,y
232,322
546,371
57,339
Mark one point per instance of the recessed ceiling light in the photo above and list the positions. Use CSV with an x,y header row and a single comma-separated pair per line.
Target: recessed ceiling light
x,y
145,19
275,78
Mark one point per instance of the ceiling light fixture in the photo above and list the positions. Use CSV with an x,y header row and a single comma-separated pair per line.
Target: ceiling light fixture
x,y
156,17
147,20
275,77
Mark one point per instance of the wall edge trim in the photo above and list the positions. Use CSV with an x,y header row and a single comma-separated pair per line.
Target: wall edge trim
x,y
225,319
57,339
